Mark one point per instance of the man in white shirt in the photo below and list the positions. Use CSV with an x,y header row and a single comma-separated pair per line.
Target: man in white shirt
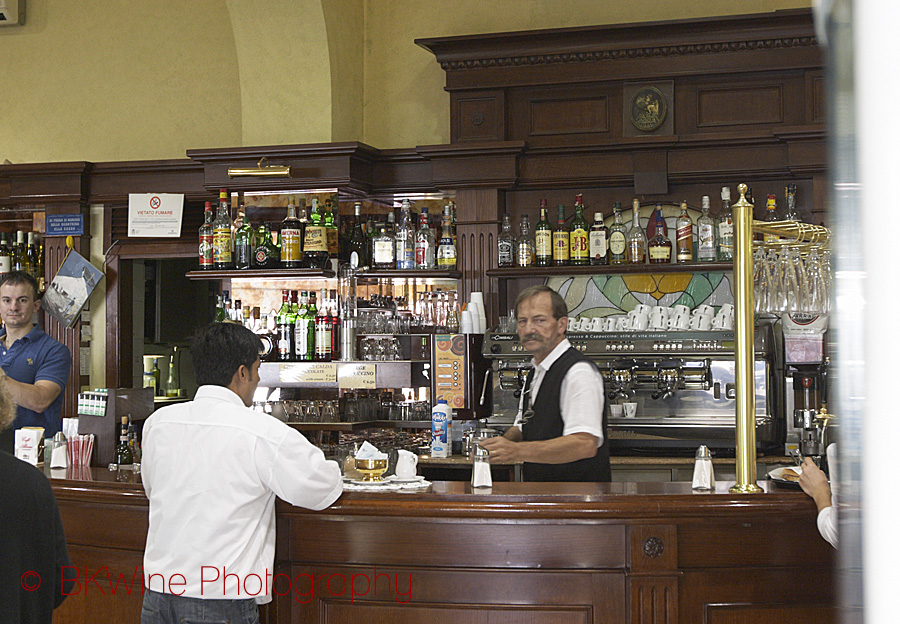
x,y
211,469
560,432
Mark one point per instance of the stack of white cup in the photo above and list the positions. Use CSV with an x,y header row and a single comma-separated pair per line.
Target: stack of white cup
x,y
476,310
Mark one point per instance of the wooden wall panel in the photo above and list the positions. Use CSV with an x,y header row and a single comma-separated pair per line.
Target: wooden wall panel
x,y
738,106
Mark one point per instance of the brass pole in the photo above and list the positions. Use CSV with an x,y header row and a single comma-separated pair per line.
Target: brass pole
x,y
745,408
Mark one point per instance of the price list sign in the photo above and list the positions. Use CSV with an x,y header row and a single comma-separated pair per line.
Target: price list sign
x,y
449,363
312,372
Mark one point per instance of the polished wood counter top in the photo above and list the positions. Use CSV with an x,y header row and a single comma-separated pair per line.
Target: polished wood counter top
x,y
650,500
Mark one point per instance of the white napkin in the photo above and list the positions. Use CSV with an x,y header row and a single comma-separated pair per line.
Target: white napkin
x,y
368,451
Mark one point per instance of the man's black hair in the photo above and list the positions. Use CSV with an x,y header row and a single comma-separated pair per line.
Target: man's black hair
x,y
17,278
220,349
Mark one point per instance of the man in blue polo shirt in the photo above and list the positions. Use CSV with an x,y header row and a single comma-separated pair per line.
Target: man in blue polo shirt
x,y
34,367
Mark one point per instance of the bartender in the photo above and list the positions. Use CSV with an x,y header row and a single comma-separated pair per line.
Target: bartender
x,y
560,432
34,367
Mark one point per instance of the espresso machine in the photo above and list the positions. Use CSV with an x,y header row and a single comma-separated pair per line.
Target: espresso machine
x,y
682,382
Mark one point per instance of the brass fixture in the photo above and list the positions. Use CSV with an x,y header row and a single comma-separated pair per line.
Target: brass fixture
x,y
263,169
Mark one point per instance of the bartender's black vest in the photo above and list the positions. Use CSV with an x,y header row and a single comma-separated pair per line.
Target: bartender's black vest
x,y
547,423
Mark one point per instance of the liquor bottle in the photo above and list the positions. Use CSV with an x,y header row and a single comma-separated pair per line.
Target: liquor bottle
x,y
331,228
315,244
31,254
790,203
336,326
39,267
291,256
234,314
302,333
684,236
358,244
637,240
383,246
284,329
323,334
543,239
171,382
561,238
446,250
5,256
424,242
266,255
652,222
404,240
220,314
725,227
659,247
124,454
578,236
770,217
20,258
618,239
524,244
506,245
222,234
706,234
598,241
243,242
453,221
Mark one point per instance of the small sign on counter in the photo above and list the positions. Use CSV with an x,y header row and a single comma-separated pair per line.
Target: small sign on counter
x,y
308,372
356,376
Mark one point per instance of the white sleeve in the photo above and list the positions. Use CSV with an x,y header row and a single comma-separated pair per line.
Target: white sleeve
x,y
299,473
581,401
827,523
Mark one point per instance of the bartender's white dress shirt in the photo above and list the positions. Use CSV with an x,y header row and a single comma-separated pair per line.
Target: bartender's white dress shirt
x,y
581,395
212,469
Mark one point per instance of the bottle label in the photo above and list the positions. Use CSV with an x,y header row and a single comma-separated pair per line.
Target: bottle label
x,y
684,240
446,255
617,243
290,245
301,339
242,254
315,239
525,255
726,230
578,244
560,245
222,246
323,339
769,238
505,252
660,253
543,244
636,252
597,242
206,254
384,252
424,255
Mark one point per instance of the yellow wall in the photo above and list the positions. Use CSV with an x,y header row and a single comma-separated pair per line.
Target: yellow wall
x,y
147,79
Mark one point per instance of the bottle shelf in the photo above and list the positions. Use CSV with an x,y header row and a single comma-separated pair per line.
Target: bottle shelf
x,y
620,269
348,427
218,274
409,274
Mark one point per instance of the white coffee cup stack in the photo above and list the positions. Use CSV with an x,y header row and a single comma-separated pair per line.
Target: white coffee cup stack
x,y
476,307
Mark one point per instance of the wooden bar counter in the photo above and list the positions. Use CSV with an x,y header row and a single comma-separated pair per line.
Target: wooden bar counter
x,y
649,553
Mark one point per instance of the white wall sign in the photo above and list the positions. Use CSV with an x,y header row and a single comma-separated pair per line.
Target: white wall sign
x,y
155,215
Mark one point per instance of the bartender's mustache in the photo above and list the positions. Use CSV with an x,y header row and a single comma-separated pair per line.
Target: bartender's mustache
x,y
528,337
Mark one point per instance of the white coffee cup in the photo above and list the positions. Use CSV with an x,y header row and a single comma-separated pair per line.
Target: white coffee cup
x,y
406,464
573,324
659,319
704,309
723,321
623,323
679,320
597,324
701,322
727,308
616,411
630,409
609,324
638,322
642,308
585,325
680,309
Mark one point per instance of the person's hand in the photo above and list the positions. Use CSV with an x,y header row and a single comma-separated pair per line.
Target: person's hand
x,y
814,482
502,450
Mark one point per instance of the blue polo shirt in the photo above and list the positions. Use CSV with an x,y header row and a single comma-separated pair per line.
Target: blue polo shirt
x,y
37,357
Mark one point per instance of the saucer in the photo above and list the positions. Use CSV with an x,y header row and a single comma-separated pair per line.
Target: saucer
x,y
396,479
370,483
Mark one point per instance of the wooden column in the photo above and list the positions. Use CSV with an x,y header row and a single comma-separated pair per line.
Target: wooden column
x,y
478,215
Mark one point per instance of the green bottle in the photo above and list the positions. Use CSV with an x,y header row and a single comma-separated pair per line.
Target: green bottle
x,y
243,243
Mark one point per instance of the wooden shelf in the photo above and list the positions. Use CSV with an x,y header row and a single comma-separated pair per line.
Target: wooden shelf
x,y
621,269
218,274
409,274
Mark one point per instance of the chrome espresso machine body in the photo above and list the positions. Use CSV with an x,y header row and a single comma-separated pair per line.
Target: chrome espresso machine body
x,y
682,382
